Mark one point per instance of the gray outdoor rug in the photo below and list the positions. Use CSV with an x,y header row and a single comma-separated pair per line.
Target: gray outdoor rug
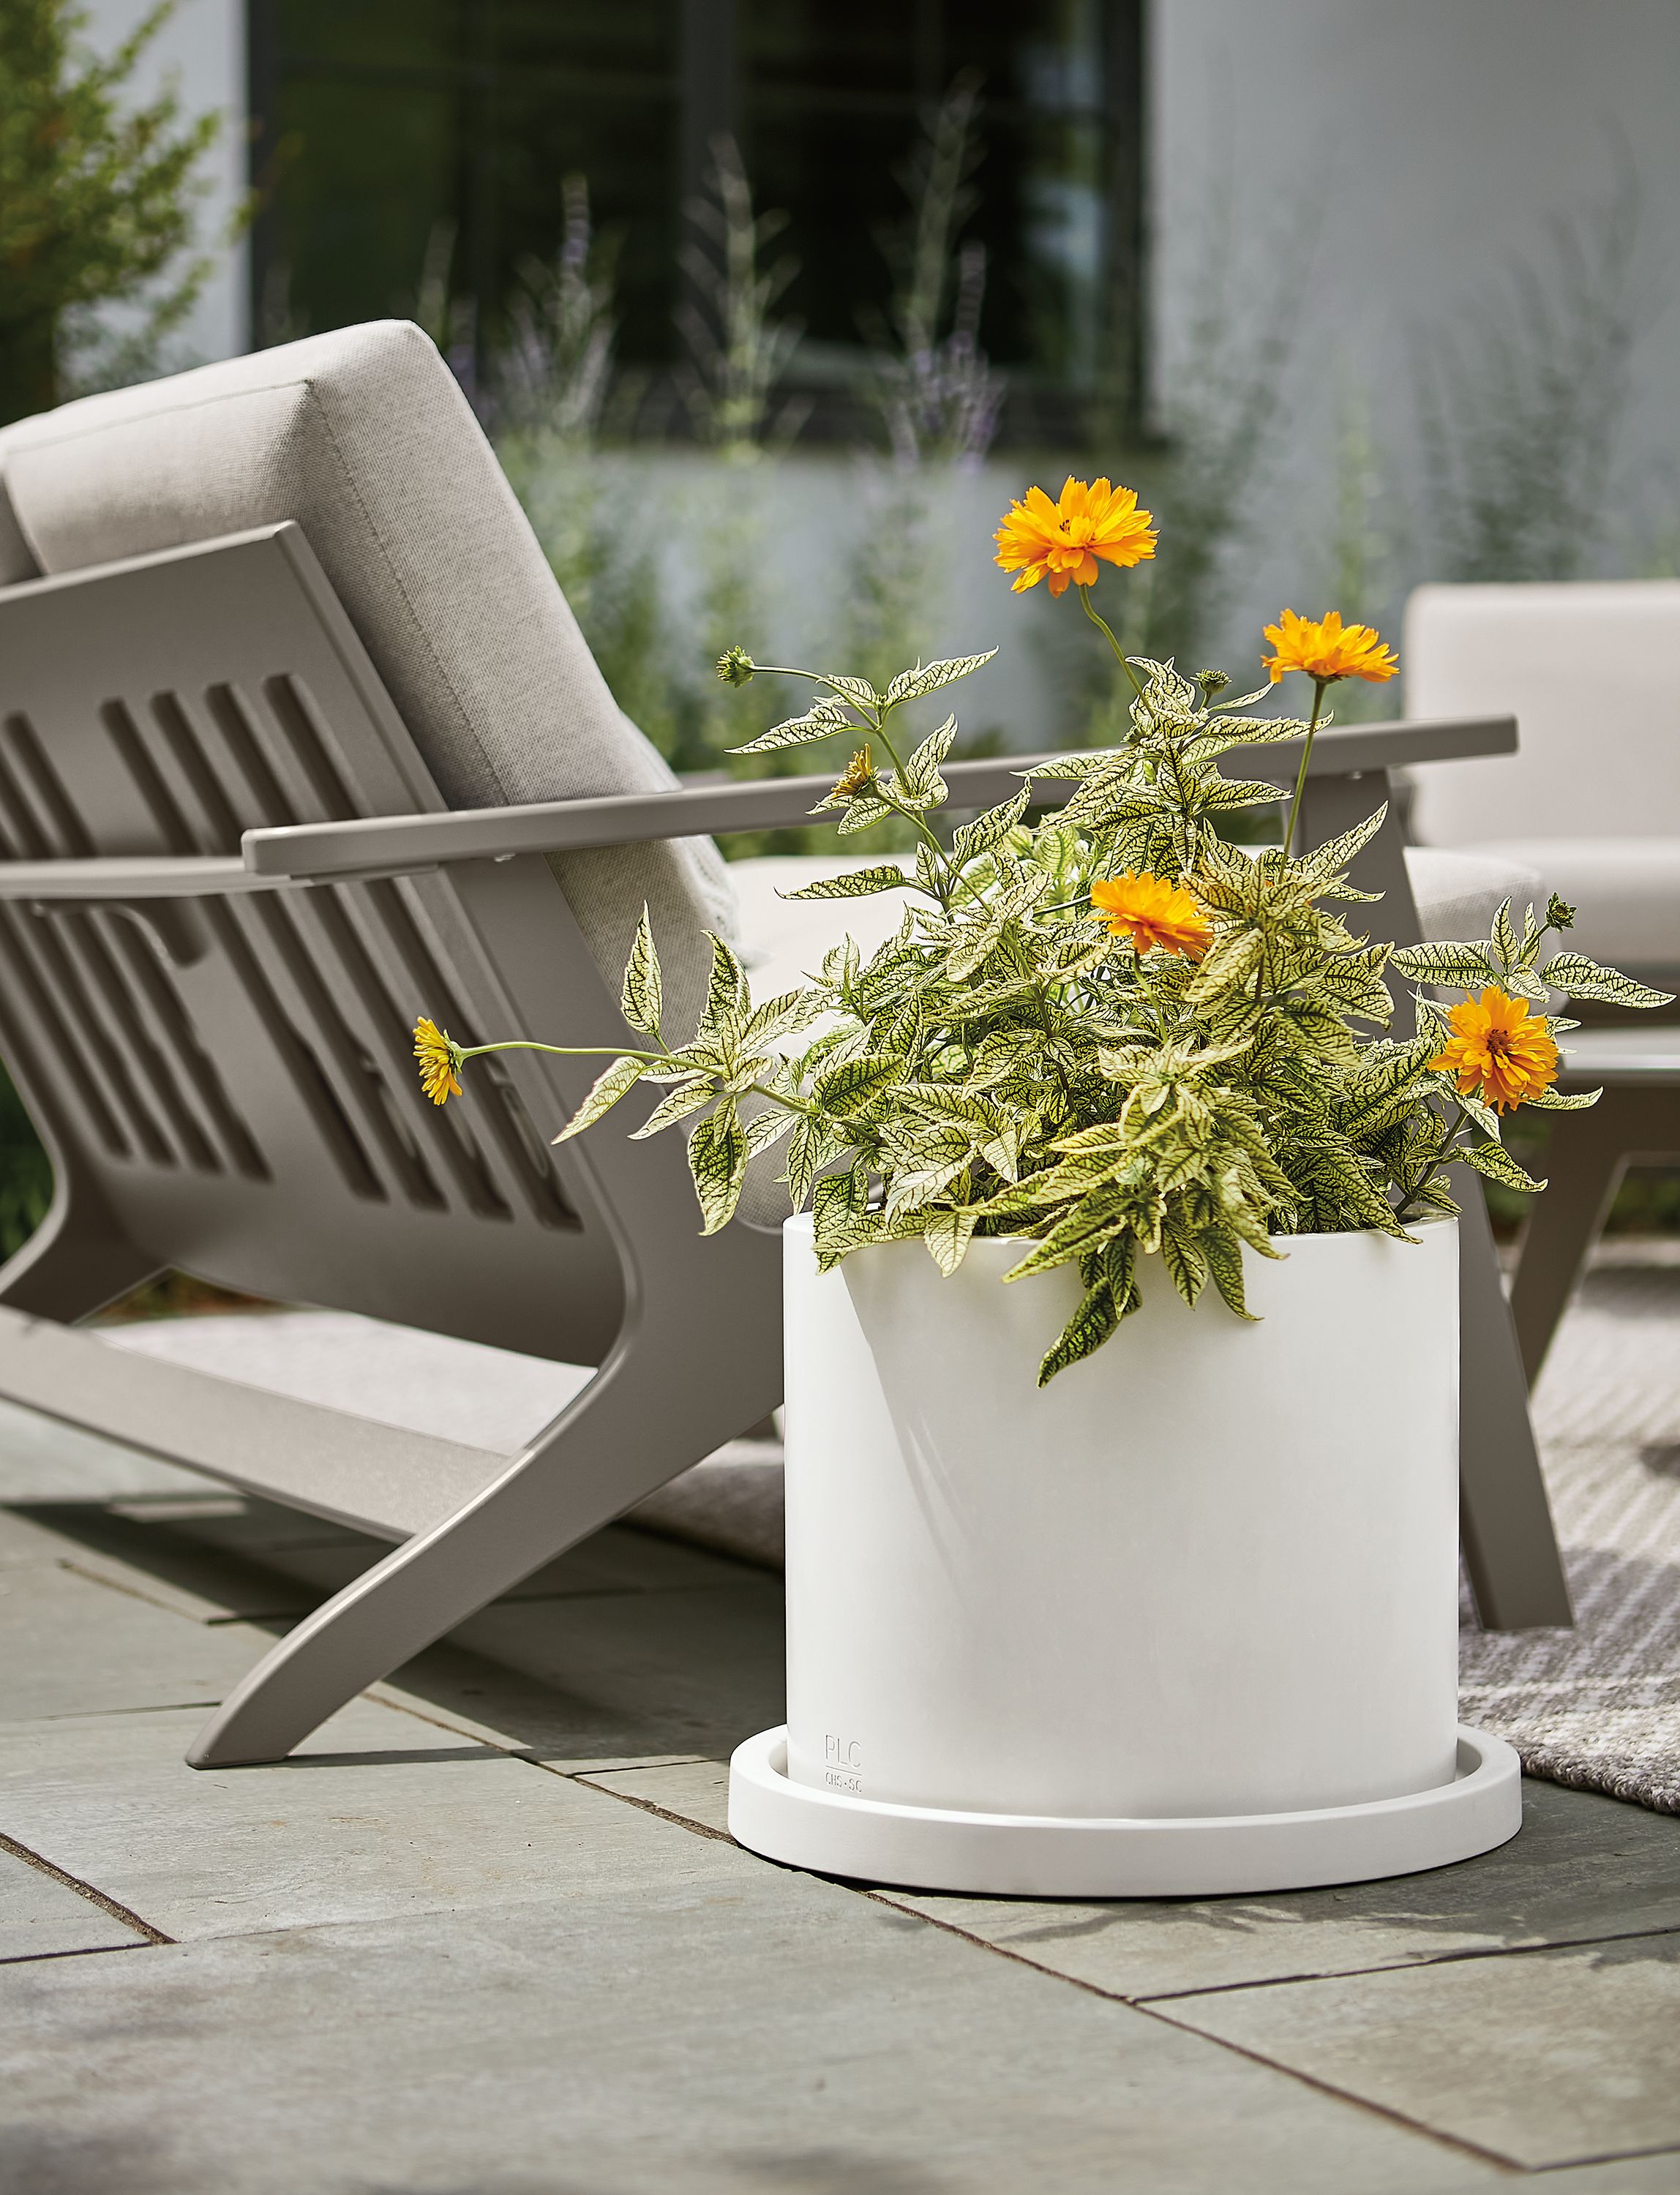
x,y
1598,1706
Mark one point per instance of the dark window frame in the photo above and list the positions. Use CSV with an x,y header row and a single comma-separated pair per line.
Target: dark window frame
x,y
708,95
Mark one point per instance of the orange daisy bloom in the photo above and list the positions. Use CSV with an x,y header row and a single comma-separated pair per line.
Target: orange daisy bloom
x,y
1150,912
439,1057
1326,650
1499,1050
1062,541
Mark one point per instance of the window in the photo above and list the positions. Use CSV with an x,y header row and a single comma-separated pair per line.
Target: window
x,y
392,137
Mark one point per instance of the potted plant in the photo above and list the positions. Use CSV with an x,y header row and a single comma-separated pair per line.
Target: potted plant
x,y
1073,1608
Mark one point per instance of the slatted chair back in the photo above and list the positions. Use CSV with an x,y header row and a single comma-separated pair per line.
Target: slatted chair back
x,y
362,438
228,1078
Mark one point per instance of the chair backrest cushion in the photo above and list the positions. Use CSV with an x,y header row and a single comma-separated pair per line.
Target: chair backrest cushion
x,y
364,438
1592,671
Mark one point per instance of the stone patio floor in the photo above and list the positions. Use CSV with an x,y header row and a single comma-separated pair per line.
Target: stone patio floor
x,y
486,1935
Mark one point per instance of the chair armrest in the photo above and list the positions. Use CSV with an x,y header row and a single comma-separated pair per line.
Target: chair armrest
x,y
132,877
390,845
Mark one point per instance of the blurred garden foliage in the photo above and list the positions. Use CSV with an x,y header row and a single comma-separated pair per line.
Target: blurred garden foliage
x,y
98,267
26,1177
97,194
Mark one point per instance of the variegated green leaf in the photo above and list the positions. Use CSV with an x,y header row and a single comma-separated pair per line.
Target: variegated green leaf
x,y
1181,1254
805,1153
613,1082
921,783
1224,1254
1229,794
841,1219
826,716
1084,1333
768,1128
861,815
1563,1101
723,1019
849,1086
1577,978
642,1001
989,831
688,1097
857,690
927,678
718,1162
1504,936
1336,854
1493,1159
947,1235
1466,966
853,884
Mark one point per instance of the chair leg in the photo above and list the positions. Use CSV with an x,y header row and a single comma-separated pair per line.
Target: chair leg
x,y
74,1262
1590,1151
1510,1549
570,1482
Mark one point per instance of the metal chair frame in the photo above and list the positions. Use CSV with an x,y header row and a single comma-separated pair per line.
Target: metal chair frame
x,y
1635,1122
228,882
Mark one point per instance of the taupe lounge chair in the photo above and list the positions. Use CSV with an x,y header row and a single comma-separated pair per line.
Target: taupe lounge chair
x,y
298,737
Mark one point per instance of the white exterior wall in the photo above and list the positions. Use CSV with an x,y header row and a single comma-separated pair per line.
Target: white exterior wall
x,y
203,48
1433,141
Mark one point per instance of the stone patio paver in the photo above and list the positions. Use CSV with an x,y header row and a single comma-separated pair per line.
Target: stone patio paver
x,y
378,1814
41,1917
72,1643
1583,1869
1544,2057
681,2018
672,1672
1622,2175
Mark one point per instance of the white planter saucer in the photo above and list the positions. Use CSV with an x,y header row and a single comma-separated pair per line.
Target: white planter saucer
x,y
1025,1856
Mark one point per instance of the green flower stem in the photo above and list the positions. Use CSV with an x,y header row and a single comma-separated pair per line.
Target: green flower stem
x,y
464,1052
875,724
620,1052
792,670
1101,623
1321,687
778,1097
1411,1209
909,815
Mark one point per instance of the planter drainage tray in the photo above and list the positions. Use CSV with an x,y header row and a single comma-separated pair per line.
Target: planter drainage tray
x,y
1019,1855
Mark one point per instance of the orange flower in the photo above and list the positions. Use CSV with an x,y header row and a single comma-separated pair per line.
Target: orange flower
x,y
1150,912
1326,650
1062,541
1499,1050
439,1057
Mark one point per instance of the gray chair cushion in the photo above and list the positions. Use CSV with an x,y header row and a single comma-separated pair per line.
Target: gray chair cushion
x,y
363,438
1459,891
1627,892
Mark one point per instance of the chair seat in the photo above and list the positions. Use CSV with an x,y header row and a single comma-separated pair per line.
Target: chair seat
x,y
1622,1058
1627,890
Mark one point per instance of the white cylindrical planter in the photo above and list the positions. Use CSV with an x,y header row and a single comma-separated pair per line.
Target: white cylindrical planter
x,y
1209,1576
